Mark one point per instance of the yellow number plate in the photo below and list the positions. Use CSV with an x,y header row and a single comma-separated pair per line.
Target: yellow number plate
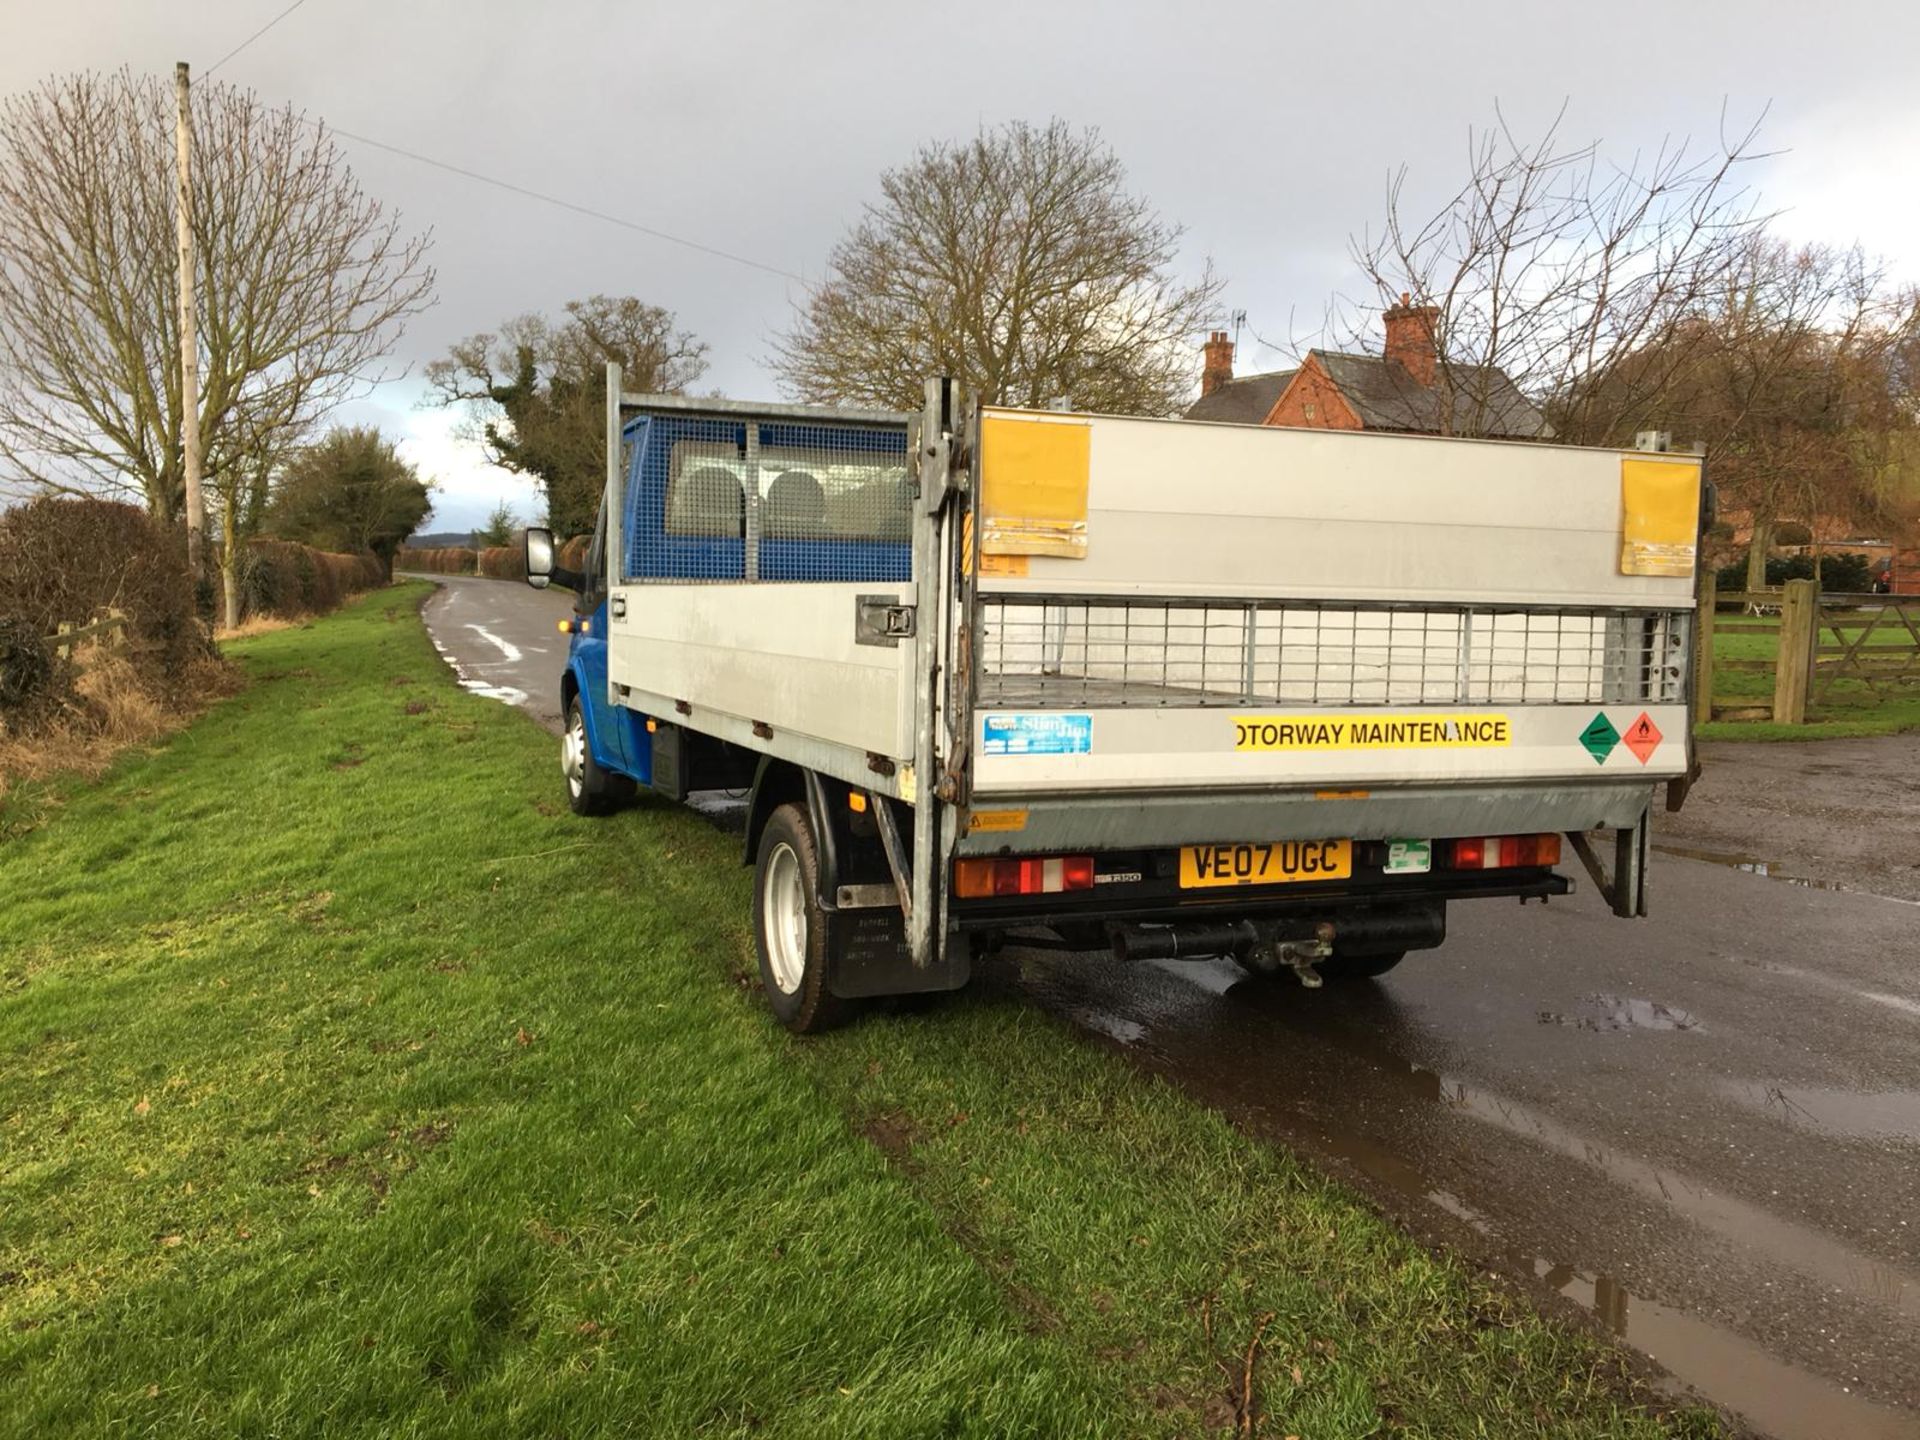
x,y
1275,863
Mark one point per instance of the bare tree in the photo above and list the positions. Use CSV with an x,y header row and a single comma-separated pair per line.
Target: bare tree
x,y
305,284
533,393
1555,266
1016,262
1795,389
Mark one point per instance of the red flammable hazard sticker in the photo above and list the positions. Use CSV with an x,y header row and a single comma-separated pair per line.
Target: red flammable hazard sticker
x,y
1643,737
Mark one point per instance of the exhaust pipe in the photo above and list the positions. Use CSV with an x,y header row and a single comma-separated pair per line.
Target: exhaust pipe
x,y
1182,942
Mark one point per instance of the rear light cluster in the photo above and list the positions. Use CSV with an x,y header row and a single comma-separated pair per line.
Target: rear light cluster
x,y
1034,875
1502,852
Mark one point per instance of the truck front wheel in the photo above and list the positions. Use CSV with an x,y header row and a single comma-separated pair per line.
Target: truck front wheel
x,y
791,932
590,789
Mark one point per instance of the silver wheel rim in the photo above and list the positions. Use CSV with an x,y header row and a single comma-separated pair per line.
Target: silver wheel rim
x,y
573,754
784,914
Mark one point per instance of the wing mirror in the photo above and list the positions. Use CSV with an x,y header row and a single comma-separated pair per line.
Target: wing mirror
x,y
539,557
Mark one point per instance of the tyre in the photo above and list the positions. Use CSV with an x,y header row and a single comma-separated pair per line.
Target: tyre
x,y
590,789
792,934
1344,968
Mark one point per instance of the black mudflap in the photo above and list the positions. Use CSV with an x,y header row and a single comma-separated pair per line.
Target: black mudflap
x,y
871,957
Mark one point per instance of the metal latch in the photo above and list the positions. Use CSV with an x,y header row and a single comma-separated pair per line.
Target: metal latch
x,y
618,605
881,620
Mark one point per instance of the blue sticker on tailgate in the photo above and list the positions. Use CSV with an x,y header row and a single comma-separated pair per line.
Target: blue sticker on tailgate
x,y
1036,734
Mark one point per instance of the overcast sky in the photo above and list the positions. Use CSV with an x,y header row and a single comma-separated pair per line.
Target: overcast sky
x,y
1266,129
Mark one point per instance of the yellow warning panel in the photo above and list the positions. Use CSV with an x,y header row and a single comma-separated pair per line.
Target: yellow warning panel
x,y
997,820
1660,516
1033,486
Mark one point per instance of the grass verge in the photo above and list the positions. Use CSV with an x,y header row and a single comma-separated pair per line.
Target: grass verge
x,y
352,1086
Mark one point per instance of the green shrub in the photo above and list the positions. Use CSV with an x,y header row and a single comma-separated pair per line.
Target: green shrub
x,y
1841,574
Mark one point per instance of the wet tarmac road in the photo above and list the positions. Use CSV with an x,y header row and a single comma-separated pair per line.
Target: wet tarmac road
x,y
1702,1129
501,640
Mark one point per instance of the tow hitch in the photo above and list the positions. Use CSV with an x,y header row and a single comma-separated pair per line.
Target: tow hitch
x,y
1298,955
1276,943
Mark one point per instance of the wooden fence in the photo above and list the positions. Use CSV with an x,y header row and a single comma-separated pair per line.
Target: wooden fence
x,y
1823,640
67,634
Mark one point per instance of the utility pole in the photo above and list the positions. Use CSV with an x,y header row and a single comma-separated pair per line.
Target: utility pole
x,y
189,336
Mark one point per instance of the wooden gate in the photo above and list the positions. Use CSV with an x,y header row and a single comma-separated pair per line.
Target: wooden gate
x,y
1873,640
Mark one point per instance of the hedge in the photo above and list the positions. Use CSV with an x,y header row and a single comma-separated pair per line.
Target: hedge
x,y
441,560
69,560
496,562
286,579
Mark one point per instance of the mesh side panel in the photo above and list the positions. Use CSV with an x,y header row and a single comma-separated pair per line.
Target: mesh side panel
x,y
723,499
834,503
686,505
1042,652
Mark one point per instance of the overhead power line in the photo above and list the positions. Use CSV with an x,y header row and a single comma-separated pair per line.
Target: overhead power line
x,y
512,188
253,37
555,200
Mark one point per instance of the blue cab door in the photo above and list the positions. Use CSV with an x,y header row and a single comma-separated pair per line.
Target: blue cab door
x,y
607,725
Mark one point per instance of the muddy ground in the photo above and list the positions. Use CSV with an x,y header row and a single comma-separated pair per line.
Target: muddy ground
x,y
1840,812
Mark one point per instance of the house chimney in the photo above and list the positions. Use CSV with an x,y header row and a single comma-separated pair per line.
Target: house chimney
x,y
1410,338
1218,369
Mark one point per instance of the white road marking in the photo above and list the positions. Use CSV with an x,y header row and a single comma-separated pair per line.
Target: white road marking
x,y
495,692
509,651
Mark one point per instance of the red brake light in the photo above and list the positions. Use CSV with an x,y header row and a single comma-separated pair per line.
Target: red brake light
x,y
1503,852
1022,875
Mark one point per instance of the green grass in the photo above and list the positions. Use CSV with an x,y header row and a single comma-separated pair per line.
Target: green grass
x,y
1847,708
353,1087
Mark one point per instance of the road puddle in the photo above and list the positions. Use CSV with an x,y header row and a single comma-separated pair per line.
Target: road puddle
x,y
1114,1027
1786,1243
1188,1031
1850,1114
1770,870
1621,1012
1789,1402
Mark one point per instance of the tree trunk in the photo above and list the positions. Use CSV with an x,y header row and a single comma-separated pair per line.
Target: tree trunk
x,y
230,583
230,555
1757,550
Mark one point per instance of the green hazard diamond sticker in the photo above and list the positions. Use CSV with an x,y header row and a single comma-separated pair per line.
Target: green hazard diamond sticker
x,y
1600,737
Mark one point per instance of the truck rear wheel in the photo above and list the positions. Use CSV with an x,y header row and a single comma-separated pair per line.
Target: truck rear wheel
x,y
793,935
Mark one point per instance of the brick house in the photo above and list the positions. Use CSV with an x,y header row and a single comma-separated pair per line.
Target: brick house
x,y
1405,388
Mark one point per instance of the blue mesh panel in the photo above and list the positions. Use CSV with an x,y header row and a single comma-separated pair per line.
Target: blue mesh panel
x,y
682,524
827,501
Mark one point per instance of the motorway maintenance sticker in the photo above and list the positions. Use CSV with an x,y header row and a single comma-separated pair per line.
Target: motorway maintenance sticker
x,y
1036,735
1600,737
1371,732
